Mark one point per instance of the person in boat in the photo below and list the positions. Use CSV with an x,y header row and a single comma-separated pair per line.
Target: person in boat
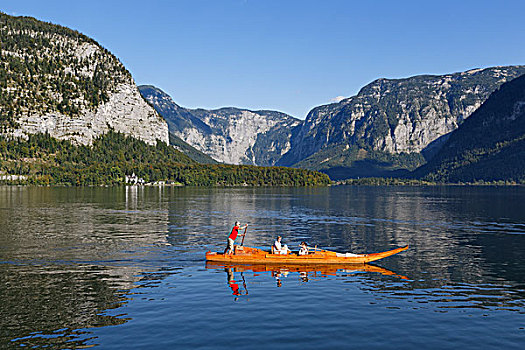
x,y
279,248
303,249
233,235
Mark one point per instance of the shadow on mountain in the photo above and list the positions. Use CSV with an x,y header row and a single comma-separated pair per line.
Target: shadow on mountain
x,y
433,147
365,168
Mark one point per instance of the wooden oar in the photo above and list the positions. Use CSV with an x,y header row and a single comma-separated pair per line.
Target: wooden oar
x,y
246,229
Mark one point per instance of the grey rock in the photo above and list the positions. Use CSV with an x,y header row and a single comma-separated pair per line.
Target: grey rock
x,y
228,135
125,112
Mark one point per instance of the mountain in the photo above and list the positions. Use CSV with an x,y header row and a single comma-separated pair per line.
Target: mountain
x,y
58,81
71,114
488,146
228,135
190,151
392,125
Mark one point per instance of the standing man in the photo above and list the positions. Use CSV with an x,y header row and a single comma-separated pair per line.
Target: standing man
x,y
233,236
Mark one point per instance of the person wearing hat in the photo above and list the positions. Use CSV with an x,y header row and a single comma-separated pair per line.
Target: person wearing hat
x,y
233,236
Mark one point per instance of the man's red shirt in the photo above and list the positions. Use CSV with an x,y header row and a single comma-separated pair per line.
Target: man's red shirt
x,y
234,233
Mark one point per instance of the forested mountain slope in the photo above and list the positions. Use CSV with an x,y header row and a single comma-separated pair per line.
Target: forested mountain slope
x,y
44,160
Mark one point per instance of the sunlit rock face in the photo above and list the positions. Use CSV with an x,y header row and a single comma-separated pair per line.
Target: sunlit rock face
x,y
59,81
229,135
125,112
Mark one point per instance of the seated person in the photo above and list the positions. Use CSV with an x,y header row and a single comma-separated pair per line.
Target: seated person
x,y
278,248
304,249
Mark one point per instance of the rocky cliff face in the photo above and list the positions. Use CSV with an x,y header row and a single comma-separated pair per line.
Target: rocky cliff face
x,y
229,135
55,80
489,146
391,122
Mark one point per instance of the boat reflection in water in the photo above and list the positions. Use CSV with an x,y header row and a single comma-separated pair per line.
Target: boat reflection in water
x,y
305,272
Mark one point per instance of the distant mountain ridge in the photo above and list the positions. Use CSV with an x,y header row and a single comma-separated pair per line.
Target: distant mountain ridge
x,y
489,146
228,135
58,81
391,125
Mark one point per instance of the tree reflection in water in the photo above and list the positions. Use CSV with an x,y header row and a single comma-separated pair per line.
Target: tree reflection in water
x,y
55,305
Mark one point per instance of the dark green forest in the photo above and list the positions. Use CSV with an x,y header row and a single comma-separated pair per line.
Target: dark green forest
x,y
44,160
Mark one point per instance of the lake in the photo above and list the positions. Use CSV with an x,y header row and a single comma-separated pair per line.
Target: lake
x,y
124,268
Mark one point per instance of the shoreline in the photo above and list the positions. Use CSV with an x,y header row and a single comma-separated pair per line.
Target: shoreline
x,y
17,183
421,183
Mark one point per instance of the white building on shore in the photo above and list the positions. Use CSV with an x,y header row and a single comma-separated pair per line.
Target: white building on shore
x,y
134,180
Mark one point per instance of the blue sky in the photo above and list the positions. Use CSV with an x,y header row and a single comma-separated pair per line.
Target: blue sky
x,y
288,55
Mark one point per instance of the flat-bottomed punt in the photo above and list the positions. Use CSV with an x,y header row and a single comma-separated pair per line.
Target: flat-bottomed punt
x,y
248,255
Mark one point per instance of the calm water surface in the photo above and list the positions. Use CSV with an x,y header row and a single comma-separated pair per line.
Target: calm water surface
x,y
124,268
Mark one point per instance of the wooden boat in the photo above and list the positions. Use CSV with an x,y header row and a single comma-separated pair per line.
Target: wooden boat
x,y
248,255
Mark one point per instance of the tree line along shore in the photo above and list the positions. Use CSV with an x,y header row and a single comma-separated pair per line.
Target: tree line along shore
x,y
43,160
113,158
391,181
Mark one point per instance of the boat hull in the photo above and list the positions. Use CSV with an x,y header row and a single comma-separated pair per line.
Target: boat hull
x,y
248,255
